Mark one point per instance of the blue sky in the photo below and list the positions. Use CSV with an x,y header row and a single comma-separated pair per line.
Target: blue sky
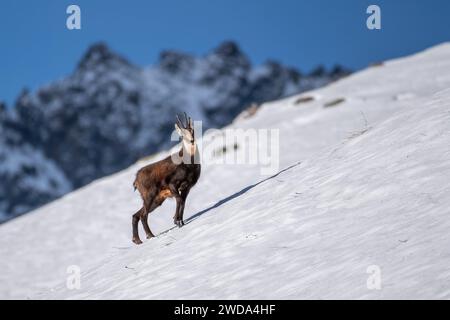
x,y
37,48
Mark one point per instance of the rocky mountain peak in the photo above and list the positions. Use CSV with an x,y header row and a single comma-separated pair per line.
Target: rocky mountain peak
x,y
99,54
228,49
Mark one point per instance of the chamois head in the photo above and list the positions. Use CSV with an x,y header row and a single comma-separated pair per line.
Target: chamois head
x,y
186,132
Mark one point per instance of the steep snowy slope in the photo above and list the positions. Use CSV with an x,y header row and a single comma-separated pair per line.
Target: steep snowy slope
x,y
364,180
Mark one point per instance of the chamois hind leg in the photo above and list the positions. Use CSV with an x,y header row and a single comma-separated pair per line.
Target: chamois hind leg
x,y
148,208
144,218
135,221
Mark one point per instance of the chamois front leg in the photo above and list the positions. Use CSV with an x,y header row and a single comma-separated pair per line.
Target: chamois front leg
x,y
180,204
184,195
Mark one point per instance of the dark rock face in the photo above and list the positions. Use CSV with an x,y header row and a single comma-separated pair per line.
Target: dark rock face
x,y
175,62
28,177
109,113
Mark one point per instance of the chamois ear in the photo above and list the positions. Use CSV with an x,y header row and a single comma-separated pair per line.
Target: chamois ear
x,y
177,127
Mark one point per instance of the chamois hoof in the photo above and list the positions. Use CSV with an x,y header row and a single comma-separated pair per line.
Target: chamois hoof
x,y
137,241
179,223
149,236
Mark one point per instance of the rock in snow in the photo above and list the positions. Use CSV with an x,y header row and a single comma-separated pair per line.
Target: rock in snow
x,y
109,113
362,192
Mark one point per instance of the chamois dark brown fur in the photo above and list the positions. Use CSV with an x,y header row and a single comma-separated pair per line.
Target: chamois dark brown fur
x,y
168,179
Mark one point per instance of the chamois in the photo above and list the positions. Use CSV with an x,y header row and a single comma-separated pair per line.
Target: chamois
x,y
173,176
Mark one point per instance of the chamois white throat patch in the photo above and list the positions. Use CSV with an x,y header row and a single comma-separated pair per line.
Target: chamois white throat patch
x,y
189,147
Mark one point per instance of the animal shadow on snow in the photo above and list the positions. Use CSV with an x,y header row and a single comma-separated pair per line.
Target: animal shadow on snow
x,y
232,197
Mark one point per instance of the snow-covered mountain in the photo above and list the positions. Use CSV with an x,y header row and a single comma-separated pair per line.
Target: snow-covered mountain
x,y
108,113
364,185
28,176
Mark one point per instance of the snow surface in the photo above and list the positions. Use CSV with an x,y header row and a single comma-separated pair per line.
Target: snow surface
x,y
364,182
